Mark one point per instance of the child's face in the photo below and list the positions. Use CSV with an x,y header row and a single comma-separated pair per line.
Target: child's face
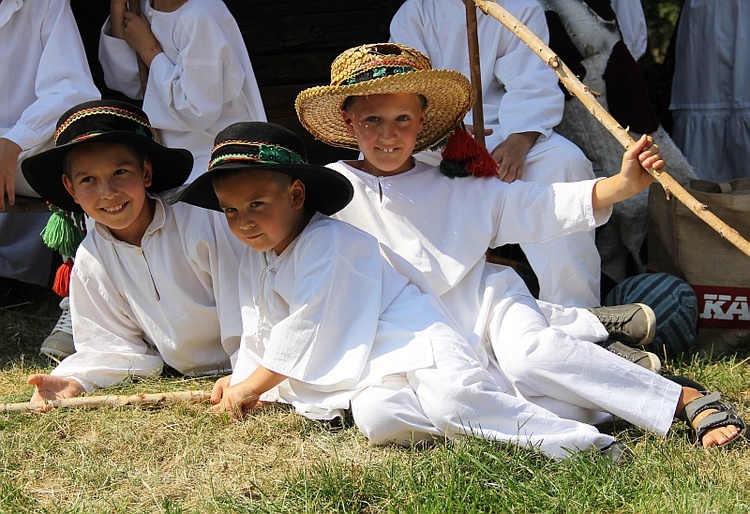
x,y
262,212
386,128
109,182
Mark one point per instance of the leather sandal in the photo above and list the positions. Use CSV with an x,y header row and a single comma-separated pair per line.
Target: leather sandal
x,y
724,415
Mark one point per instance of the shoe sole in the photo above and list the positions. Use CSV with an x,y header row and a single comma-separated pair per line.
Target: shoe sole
x,y
651,320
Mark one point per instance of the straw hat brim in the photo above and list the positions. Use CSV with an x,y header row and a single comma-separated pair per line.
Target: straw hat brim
x,y
171,167
449,97
326,190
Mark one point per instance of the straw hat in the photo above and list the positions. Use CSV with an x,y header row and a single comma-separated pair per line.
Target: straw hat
x,y
103,121
381,69
267,146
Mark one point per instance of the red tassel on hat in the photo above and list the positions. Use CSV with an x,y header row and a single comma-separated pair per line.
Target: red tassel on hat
x,y
474,158
62,278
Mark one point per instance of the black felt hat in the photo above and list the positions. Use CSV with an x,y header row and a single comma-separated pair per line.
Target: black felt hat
x,y
266,146
104,121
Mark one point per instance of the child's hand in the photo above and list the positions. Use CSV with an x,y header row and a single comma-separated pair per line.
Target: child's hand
x,y
220,386
642,155
117,10
138,35
50,388
236,400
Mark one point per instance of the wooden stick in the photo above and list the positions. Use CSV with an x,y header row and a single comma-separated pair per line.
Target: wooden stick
x,y
94,402
476,71
134,6
583,93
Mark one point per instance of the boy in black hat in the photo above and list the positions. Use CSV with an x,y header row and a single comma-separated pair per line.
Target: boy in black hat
x,y
144,287
328,324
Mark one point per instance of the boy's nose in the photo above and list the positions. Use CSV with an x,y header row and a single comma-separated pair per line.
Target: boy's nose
x,y
107,189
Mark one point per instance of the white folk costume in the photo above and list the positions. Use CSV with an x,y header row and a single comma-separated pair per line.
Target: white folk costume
x,y
43,73
334,317
443,227
201,82
520,94
136,308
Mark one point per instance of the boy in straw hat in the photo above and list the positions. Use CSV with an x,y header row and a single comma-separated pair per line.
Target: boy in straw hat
x,y
328,324
144,288
388,102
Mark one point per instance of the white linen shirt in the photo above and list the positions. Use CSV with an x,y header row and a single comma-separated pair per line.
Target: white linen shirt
x,y
519,92
135,308
201,83
443,227
333,316
44,69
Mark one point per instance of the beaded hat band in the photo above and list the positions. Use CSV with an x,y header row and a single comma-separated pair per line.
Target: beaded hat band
x,y
266,146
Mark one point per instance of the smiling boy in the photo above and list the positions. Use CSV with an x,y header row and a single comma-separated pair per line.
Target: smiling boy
x,y
144,290
443,227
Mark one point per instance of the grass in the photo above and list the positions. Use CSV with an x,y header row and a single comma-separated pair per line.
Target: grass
x,y
184,459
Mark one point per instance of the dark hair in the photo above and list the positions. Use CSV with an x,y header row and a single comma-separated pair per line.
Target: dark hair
x,y
134,151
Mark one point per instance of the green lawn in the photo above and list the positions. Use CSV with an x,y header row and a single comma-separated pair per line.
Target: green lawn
x,y
184,459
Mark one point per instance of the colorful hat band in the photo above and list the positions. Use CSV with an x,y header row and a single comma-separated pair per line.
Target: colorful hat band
x,y
382,70
143,127
253,152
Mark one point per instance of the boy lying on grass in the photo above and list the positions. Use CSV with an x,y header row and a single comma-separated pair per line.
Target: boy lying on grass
x,y
144,289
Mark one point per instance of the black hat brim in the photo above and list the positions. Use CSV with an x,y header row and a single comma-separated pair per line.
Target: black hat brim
x,y
326,190
171,167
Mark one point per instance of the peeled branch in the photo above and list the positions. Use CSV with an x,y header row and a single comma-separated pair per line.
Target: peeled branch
x,y
583,93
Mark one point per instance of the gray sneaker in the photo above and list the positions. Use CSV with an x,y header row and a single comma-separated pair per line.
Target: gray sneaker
x,y
59,344
643,358
633,323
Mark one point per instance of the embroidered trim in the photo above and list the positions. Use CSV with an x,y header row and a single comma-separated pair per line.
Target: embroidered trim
x,y
111,111
262,153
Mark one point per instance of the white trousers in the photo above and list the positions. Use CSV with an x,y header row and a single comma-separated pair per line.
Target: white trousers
x,y
551,366
455,397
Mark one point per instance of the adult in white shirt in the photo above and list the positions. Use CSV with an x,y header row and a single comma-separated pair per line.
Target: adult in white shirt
x,y
522,104
43,73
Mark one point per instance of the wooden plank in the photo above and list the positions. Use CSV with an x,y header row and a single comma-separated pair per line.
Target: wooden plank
x,y
26,204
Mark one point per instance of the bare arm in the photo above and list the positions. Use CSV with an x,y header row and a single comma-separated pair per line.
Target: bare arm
x,y
632,178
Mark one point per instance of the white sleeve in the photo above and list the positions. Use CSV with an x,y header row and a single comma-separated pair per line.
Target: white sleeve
x,y
533,100
63,78
109,344
119,64
189,94
527,212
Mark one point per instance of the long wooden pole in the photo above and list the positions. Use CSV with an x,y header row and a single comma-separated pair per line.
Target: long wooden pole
x,y
135,7
476,71
583,93
94,402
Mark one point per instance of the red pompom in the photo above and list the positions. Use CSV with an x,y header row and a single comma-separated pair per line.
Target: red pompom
x,y
61,287
462,147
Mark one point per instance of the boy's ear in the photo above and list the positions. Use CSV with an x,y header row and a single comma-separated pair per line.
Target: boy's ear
x,y
348,122
69,187
148,172
422,117
297,190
